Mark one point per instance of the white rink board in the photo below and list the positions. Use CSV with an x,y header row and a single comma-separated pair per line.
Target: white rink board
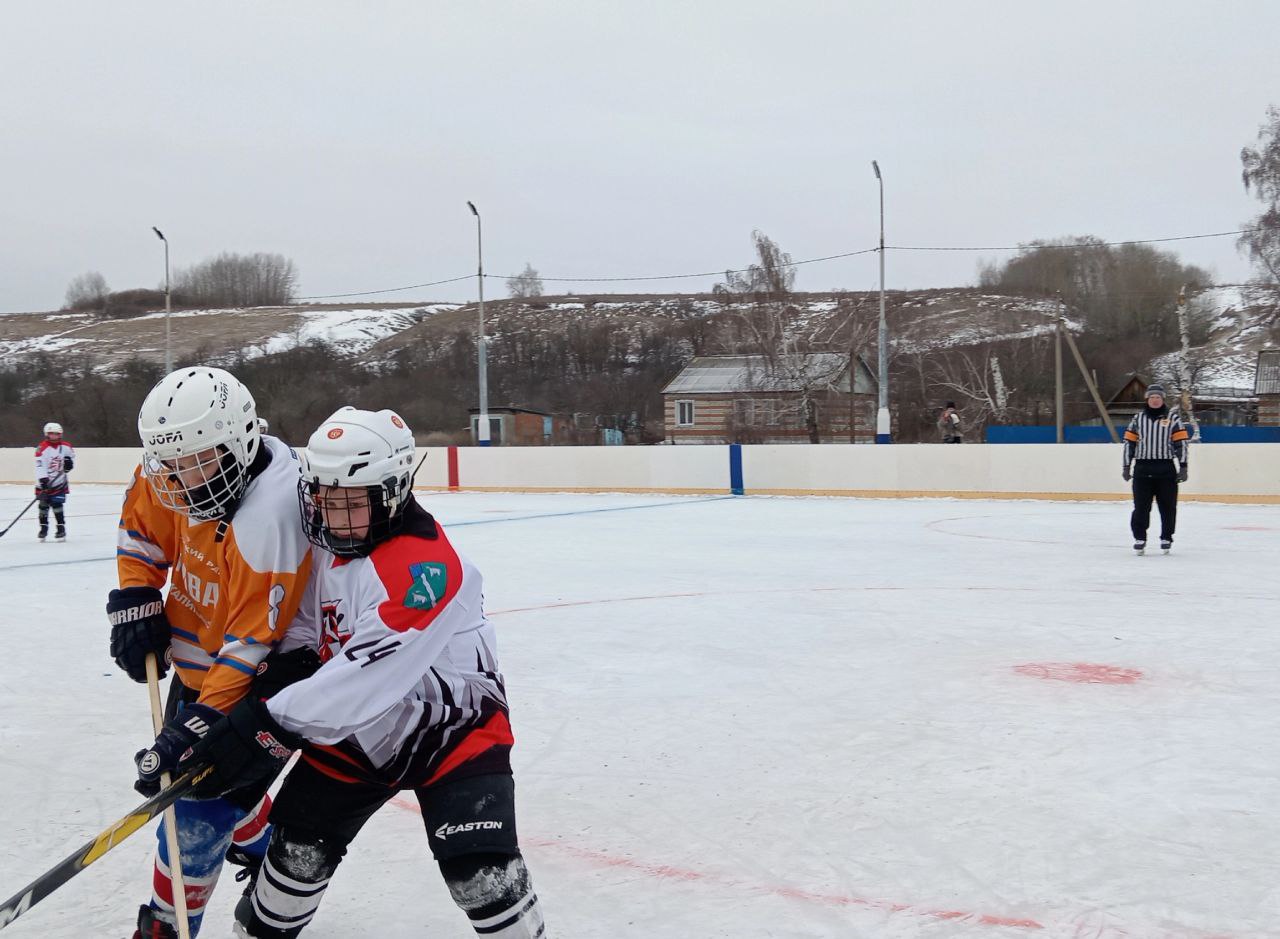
x,y
1232,472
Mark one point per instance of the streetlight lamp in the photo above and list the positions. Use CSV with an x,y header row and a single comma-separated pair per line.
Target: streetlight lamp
x,y
883,432
168,349
482,419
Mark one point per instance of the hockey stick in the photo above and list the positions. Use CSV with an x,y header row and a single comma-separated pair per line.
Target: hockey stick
x,y
176,879
20,514
118,831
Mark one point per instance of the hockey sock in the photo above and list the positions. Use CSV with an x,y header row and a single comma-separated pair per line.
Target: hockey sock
x,y
496,893
253,832
290,885
204,831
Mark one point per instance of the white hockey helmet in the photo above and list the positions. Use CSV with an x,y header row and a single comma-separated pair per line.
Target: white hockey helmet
x,y
369,453
200,434
53,427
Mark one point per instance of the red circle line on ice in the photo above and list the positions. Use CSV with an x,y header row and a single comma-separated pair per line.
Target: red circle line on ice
x,y
1080,672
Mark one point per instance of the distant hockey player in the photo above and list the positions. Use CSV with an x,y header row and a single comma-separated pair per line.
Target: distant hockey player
x,y
55,458
409,697
213,511
949,424
1154,438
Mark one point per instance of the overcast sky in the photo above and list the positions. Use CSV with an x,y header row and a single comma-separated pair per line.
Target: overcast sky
x,y
615,139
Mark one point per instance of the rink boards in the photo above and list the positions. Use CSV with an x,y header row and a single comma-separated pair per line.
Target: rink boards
x,y
1246,473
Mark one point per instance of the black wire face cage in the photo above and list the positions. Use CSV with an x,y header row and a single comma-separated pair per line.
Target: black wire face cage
x,y
204,485
350,521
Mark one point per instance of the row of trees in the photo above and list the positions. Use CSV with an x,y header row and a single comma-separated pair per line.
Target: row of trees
x,y
228,280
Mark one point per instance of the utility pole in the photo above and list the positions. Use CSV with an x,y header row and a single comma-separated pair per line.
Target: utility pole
x,y
482,419
1057,377
168,346
884,433
1184,376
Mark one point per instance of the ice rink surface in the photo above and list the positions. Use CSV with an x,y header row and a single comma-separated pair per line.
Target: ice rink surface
x,y
765,717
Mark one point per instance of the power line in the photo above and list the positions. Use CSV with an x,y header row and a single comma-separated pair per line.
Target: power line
x,y
829,257
741,270
1081,247
367,293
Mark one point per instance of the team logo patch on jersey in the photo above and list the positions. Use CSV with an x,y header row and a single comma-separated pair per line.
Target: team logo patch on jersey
x,y
430,580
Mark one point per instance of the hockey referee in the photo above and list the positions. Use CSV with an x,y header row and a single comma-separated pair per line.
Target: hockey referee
x,y
1154,438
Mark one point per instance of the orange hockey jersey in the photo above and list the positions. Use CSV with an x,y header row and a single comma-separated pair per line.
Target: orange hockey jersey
x,y
234,587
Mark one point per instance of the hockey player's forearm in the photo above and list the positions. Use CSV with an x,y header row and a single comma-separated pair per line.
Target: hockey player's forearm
x,y
377,669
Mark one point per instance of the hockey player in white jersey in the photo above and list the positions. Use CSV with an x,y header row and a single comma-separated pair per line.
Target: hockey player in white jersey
x,y
55,458
409,697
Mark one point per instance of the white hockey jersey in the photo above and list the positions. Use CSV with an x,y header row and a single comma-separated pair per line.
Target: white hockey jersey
x,y
51,463
409,689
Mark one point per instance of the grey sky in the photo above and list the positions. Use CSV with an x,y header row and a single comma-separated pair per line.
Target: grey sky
x,y
615,139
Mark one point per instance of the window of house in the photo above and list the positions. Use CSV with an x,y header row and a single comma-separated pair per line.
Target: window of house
x,y
684,413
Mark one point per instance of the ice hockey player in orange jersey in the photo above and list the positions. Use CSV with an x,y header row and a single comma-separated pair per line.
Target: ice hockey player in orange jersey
x,y
212,512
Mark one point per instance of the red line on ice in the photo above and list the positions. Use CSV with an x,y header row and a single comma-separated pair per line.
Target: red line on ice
x,y
687,875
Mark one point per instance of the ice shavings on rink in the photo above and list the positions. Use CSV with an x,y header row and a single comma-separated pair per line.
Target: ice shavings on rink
x,y
765,717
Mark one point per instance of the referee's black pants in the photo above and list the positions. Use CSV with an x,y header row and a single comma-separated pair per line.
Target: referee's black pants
x,y
1156,479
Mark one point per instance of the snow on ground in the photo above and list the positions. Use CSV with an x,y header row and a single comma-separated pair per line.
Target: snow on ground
x,y
353,331
766,717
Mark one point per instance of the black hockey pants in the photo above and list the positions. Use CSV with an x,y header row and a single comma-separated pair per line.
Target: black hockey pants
x,y
1156,479
470,829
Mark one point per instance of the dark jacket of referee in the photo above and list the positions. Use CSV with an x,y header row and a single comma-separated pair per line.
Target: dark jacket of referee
x,y
1154,439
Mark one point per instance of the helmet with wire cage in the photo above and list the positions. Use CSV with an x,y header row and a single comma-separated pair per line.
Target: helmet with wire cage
x,y
200,434
53,427
357,480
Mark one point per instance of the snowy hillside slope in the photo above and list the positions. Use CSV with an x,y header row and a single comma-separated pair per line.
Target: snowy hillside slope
x,y
253,331
1242,322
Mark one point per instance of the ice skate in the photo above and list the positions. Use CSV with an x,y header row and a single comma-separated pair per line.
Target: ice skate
x,y
152,927
1140,547
1165,545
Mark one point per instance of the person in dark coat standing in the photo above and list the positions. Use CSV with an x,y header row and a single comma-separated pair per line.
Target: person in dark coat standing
x,y
1153,440
949,424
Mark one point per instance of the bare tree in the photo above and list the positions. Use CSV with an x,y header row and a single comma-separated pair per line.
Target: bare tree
x,y
87,291
232,280
771,278
1261,176
525,285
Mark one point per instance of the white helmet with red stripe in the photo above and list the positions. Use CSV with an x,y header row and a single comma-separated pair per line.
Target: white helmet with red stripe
x,y
370,455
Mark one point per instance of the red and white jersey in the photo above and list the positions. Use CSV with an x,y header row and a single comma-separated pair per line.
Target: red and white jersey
x,y
409,689
51,459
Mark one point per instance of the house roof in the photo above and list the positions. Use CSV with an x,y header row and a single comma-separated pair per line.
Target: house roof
x,y
1267,379
727,374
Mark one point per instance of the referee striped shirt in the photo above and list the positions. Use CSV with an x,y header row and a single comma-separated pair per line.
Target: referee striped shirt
x,y
1158,436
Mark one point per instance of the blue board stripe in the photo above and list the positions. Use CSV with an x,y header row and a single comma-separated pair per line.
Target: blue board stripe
x,y
735,469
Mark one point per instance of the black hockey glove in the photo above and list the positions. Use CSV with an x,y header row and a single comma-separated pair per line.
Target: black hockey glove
x,y
279,670
42,483
1182,473
68,464
138,627
246,750
1126,473
178,735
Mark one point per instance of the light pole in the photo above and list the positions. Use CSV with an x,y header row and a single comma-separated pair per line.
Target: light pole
x,y
168,349
883,432
482,419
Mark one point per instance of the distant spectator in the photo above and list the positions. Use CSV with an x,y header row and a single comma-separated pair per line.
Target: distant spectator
x,y
949,424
